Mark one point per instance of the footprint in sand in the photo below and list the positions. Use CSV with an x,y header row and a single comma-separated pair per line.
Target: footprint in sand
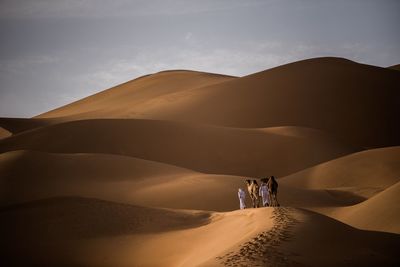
x,y
263,250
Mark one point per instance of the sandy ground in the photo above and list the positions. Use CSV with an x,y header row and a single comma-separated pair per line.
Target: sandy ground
x,y
146,173
4,133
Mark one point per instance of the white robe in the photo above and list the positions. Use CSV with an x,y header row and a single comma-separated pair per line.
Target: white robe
x,y
263,192
242,198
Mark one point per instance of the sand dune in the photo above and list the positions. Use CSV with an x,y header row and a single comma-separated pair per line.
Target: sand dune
x,y
321,241
207,149
364,173
370,177
293,238
113,234
357,103
45,175
395,67
4,133
146,173
111,218
134,181
18,125
52,230
379,213
120,101
113,178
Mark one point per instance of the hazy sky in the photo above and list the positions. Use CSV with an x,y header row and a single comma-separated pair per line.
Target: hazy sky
x,y
53,52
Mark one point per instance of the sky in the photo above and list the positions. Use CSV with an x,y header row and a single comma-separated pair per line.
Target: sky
x,y
53,52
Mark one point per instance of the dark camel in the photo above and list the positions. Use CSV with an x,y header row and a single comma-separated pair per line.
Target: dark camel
x,y
272,185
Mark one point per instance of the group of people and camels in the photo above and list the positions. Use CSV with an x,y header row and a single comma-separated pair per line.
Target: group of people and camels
x,y
267,192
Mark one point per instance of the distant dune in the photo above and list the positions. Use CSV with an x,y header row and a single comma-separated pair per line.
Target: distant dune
x,y
120,101
4,133
379,213
146,173
395,67
134,181
365,172
357,103
46,175
207,149
18,125
369,177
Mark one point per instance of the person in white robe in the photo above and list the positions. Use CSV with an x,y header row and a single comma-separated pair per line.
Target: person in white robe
x,y
242,198
263,193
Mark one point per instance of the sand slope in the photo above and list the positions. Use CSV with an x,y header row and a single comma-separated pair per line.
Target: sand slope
x,y
4,133
379,213
370,177
135,181
53,230
99,233
18,125
110,177
207,149
120,101
114,178
355,102
364,173
320,241
352,101
395,67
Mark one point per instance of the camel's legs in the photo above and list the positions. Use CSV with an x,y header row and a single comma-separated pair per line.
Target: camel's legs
x,y
255,201
276,199
271,199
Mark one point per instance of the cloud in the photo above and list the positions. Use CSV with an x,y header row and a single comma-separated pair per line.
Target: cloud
x,y
188,36
23,64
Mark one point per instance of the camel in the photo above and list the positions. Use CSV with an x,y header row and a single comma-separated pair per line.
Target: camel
x,y
272,185
252,187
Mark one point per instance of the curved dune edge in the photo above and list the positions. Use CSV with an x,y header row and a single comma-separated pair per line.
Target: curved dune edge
x,y
203,148
19,125
118,101
395,67
379,213
111,177
89,226
4,133
292,242
134,181
363,173
317,93
147,183
295,94
130,235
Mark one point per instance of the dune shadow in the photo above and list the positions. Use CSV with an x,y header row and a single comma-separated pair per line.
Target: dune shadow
x,y
348,197
66,218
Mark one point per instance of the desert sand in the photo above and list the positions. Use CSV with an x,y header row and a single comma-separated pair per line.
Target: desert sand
x,y
4,133
395,67
146,173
